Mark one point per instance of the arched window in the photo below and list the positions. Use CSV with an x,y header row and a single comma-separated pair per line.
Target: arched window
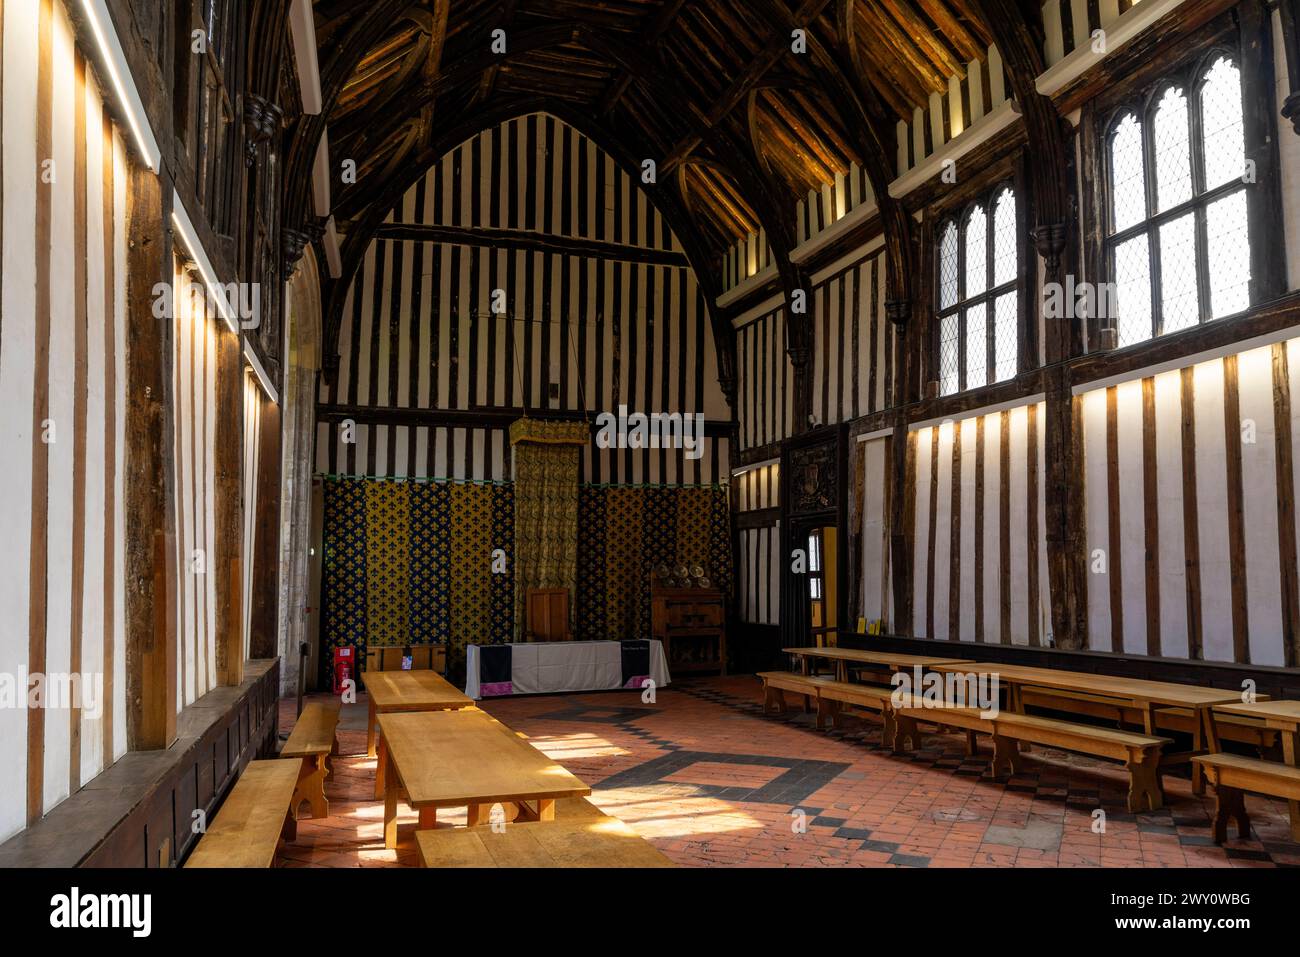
x,y
977,264
1176,240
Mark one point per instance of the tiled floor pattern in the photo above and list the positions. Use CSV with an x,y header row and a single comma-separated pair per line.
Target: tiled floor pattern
x,y
703,774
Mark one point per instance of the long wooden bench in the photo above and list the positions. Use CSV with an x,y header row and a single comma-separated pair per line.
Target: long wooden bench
x,y
970,721
580,836
1234,774
256,815
313,740
1239,728
776,683
1140,753
834,696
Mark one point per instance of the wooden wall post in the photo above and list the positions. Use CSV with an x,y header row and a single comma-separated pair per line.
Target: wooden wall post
x,y
266,538
150,533
229,508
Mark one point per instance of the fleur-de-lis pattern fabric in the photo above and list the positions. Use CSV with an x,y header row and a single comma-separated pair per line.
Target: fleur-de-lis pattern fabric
x,y
388,563
343,570
626,532
412,562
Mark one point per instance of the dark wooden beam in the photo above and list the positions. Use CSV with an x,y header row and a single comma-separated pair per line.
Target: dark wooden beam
x,y
662,22
1289,11
777,45
150,495
494,238
504,18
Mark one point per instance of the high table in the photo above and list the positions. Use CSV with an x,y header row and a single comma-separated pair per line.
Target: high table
x,y
1146,696
548,667
466,759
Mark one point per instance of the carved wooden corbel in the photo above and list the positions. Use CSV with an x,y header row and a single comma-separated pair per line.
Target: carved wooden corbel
x,y
261,120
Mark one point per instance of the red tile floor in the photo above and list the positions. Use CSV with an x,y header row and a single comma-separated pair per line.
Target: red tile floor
x,y
710,780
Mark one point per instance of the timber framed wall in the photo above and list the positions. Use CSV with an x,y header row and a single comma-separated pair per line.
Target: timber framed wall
x,y
602,309
62,408
1183,446
119,354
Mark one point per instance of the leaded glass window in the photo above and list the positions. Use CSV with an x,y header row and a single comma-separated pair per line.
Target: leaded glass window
x,y
1176,238
977,262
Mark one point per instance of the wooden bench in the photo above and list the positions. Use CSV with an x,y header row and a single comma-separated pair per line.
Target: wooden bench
x,y
1140,753
1239,728
834,696
970,721
776,683
313,740
255,816
581,836
1234,774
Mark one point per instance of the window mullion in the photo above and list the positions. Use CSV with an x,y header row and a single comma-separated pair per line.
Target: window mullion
x,y
1195,143
1149,182
963,224
990,257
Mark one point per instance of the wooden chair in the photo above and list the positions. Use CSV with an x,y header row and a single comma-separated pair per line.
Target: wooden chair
x,y
546,615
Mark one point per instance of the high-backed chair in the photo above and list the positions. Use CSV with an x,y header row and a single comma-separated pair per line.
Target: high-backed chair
x,y
546,615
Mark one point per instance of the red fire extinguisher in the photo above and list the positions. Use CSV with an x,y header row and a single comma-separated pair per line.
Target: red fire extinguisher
x,y
342,667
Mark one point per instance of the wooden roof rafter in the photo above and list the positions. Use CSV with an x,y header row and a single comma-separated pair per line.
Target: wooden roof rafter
x,y
776,46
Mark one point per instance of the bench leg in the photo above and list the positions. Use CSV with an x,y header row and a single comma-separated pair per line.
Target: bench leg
x,y
807,704
1229,803
778,700
1006,756
289,832
971,749
1144,781
889,729
825,710
311,788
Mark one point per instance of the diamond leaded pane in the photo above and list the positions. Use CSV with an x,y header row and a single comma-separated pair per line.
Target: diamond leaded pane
x,y
1133,290
948,266
949,352
1004,336
1128,176
1173,150
1004,237
1223,136
1179,297
977,346
1228,254
977,261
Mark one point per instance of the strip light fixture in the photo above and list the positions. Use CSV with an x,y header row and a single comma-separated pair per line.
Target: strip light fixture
x,y
114,58
259,373
190,240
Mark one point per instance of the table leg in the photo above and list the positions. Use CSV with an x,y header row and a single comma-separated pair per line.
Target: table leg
x,y
381,767
546,810
474,815
370,731
1291,754
390,816
428,818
